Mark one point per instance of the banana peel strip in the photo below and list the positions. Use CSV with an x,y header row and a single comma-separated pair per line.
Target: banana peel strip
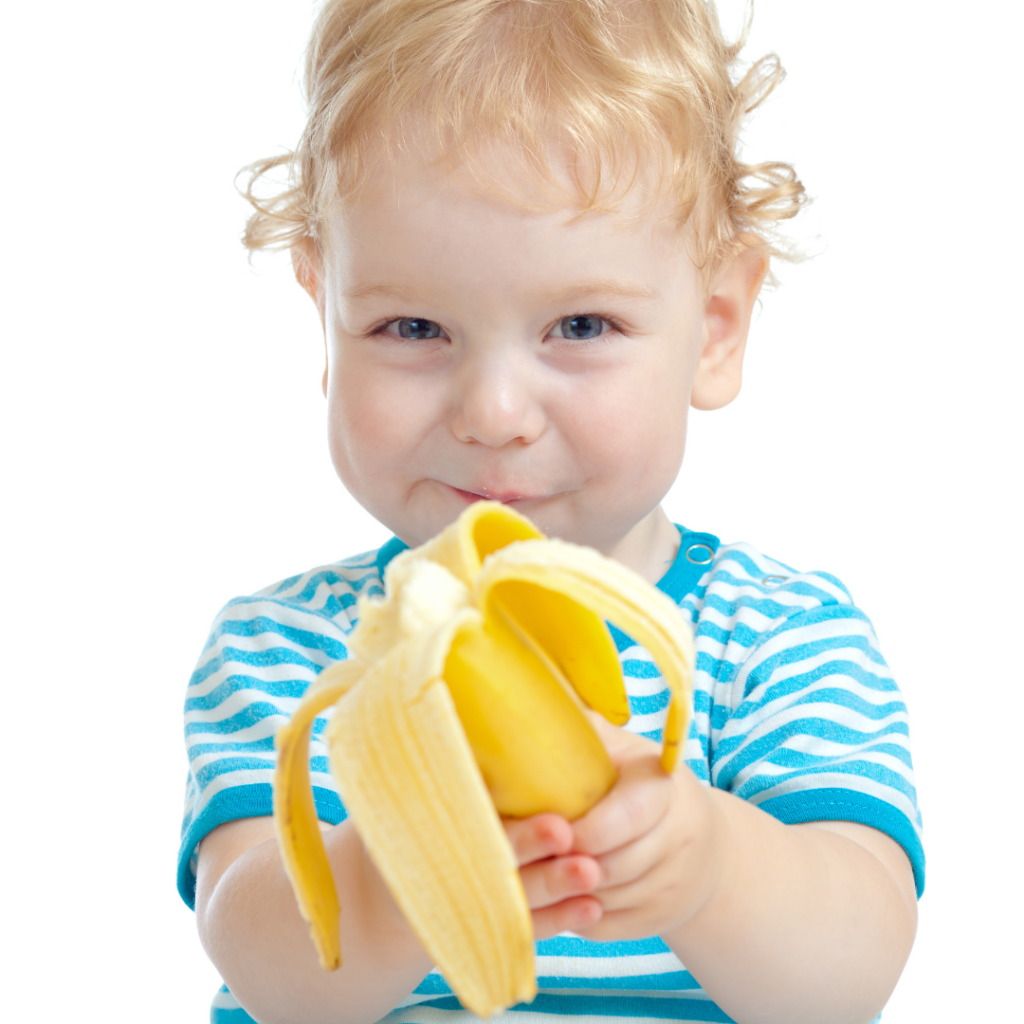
x,y
295,817
617,594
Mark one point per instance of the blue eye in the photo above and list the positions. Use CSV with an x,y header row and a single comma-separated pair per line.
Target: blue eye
x,y
581,326
417,328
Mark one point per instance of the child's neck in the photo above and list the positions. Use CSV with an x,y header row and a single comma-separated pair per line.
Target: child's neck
x,y
650,547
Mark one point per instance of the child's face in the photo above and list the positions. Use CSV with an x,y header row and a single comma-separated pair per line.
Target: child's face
x,y
476,349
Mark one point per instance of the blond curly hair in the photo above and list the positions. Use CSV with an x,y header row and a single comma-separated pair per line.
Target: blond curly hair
x,y
618,88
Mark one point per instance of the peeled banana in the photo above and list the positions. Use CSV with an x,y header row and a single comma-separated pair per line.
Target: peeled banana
x,y
463,700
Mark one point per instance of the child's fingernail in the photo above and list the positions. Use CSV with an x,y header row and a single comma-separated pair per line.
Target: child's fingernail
x,y
577,875
547,833
544,839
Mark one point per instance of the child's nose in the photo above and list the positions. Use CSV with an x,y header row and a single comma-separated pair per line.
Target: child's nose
x,y
497,402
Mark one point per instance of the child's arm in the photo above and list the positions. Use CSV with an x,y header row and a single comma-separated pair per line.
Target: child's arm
x,y
807,923
250,925
778,923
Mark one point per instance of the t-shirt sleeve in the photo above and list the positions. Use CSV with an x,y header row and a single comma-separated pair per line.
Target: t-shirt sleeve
x,y
261,656
818,729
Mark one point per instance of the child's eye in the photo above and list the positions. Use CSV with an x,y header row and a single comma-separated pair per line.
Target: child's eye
x,y
581,327
414,327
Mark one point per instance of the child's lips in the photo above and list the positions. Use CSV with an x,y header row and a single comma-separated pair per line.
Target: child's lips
x,y
486,494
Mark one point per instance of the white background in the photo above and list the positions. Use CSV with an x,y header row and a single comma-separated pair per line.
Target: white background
x,y
164,445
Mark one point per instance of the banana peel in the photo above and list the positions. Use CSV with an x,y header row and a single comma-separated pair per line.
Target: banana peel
x,y
464,700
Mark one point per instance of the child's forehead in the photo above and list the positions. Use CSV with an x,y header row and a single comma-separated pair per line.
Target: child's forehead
x,y
442,240
499,178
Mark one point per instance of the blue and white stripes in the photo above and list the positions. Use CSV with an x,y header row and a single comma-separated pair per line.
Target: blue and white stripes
x,y
596,981
795,710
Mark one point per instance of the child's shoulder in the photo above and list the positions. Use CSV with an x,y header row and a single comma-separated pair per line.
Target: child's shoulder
x,y
321,599
329,590
759,622
775,643
742,578
738,585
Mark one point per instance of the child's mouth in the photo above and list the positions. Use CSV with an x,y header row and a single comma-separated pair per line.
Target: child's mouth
x,y
505,497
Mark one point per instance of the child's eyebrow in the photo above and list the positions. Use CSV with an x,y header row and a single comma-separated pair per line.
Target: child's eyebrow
x,y
392,291
599,286
603,286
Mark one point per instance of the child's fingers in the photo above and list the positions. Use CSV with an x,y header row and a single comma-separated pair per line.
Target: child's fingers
x,y
550,881
568,916
539,837
630,864
636,804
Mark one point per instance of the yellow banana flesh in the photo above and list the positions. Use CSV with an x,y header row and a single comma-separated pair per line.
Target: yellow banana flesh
x,y
614,593
560,766
462,699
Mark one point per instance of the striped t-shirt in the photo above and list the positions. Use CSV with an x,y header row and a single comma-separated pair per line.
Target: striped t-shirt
x,y
795,710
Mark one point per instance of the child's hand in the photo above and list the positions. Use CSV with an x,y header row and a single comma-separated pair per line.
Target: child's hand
x,y
642,861
657,840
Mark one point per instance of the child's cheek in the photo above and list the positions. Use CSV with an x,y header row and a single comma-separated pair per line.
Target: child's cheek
x,y
367,417
378,420
638,425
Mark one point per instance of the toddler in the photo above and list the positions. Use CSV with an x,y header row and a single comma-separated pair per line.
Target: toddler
x,y
532,247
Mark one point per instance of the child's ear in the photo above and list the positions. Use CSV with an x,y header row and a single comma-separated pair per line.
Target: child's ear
x,y
306,264
727,312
